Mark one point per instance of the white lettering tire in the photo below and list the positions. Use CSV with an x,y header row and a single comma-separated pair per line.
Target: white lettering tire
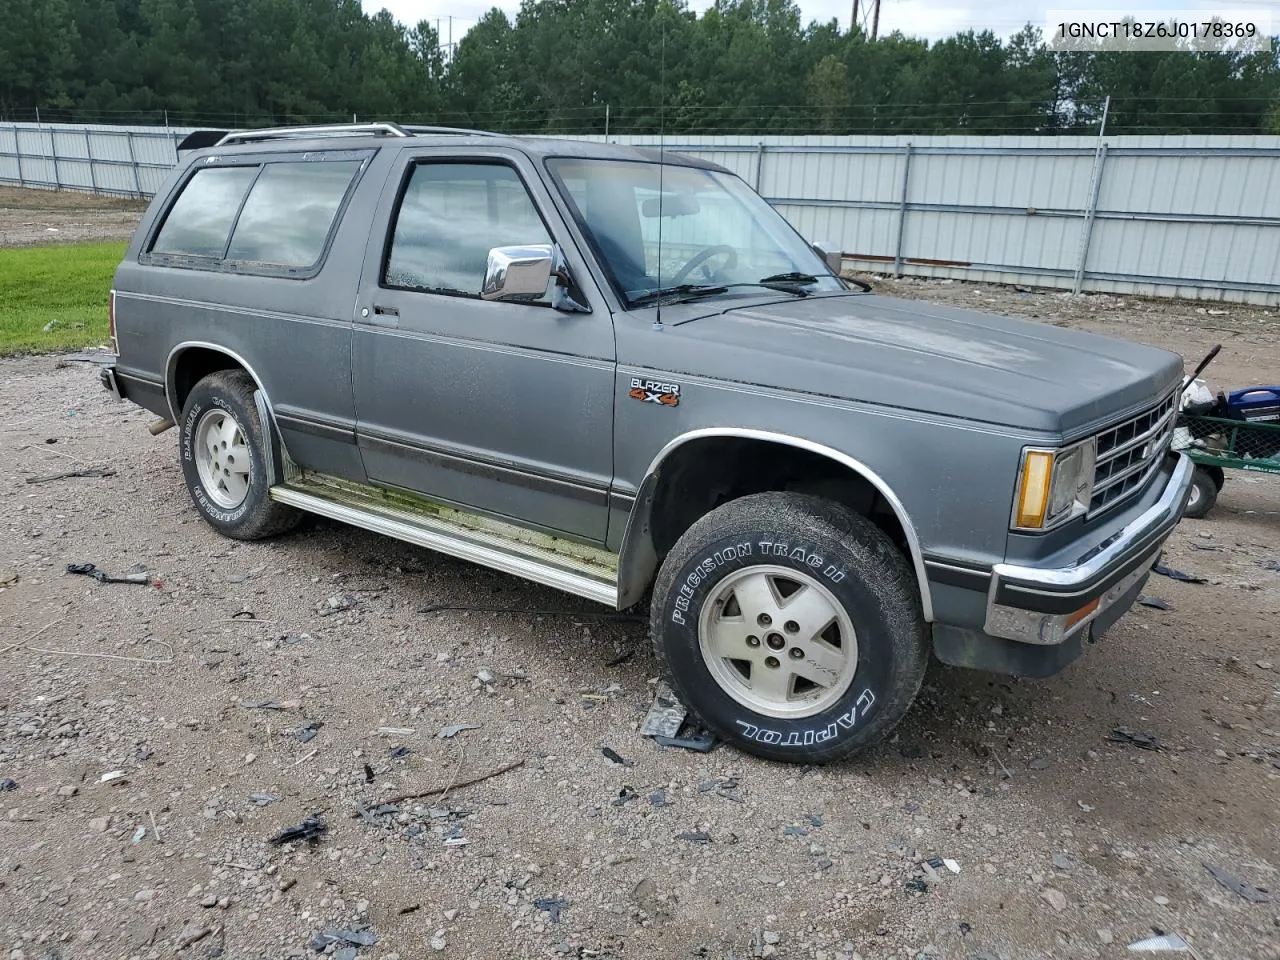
x,y
791,626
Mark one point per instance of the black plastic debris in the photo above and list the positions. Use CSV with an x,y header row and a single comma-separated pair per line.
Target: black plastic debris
x,y
398,752
354,937
1155,603
308,733
616,757
625,796
370,815
308,829
1236,885
695,836
90,570
553,905
1270,565
368,774
916,885
68,474
8,783
702,741
1147,741
1173,574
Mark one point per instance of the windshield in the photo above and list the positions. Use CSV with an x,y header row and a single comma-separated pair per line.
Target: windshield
x,y
718,237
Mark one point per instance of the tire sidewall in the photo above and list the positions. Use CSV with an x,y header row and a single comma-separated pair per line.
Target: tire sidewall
x,y
846,725
204,398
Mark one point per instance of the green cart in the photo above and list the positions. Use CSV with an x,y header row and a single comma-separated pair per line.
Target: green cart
x,y
1239,430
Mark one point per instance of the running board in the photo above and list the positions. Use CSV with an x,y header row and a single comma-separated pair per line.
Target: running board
x,y
554,562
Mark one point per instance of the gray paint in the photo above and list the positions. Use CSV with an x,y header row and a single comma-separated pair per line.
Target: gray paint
x,y
522,412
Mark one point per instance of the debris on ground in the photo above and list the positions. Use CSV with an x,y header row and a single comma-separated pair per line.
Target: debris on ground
x,y
370,814
1147,741
702,741
916,885
616,757
68,474
729,789
1161,943
138,575
1155,603
8,783
398,752
553,905
659,798
308,829
404,731
625,795
8,577
356,937
695,836
666,714
1054,898
1273,565
446,733
1236,885
308,733
111,776
262,799
1173,574
338,603
272,705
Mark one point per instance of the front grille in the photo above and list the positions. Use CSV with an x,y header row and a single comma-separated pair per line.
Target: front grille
x,y
1129,452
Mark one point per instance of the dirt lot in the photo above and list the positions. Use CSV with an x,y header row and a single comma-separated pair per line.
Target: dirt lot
x,y
1069,844
29,217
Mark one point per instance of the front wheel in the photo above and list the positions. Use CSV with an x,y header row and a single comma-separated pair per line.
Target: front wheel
x,y
791,626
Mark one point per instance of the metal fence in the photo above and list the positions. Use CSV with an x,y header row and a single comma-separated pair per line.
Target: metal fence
x,y
1189,216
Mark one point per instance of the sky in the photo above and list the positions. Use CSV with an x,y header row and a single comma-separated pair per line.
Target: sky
x,y
932,19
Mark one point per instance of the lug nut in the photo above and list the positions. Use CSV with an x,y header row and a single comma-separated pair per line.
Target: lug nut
x,y
792,627
764,620
753,641
771,662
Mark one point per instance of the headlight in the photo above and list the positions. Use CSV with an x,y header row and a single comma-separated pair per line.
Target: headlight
x,y
1053,485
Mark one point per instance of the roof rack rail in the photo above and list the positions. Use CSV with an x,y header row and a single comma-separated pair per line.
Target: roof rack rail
x,y
380,129
460,131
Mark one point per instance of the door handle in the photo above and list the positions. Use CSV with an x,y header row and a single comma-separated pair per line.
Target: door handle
x,y
382,311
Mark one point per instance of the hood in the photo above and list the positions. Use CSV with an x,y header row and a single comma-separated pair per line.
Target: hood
x,y
935,359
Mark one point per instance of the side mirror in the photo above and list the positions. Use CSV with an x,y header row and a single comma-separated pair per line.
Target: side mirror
x,y
829,251
518,273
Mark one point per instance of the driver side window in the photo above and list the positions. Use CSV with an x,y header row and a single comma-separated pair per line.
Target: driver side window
x,y
450,216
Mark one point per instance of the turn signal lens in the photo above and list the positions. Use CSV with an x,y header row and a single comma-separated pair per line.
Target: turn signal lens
x,y
1033,492
1083,612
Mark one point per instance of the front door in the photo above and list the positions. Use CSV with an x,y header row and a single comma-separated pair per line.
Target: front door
x,y
506,408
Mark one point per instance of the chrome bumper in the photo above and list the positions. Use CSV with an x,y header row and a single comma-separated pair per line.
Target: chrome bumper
x,y
1047,605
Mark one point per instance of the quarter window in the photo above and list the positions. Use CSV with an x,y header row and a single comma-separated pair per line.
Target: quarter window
x,y
450,217
200,221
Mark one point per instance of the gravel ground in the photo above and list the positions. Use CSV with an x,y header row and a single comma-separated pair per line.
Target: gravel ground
x,y
148,776
30,217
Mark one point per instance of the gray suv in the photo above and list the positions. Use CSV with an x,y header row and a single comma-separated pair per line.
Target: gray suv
x,y
624,375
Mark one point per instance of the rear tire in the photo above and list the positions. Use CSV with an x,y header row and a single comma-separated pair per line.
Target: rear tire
x,y
791,626
1204,494
224,459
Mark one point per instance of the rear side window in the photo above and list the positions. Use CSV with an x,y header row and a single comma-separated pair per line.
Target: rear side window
x,y
200,221
276,215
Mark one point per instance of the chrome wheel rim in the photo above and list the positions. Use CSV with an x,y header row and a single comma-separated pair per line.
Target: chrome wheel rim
x,y
778,642
222,458
1194,499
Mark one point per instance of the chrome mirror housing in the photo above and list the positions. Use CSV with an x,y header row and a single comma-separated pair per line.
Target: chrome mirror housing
x,y
518,273
829,251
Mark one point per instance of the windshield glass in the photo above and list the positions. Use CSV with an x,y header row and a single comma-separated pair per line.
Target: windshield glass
x,y
715,231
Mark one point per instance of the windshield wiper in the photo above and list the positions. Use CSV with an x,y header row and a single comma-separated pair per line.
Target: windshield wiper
x,y
679,293
792,277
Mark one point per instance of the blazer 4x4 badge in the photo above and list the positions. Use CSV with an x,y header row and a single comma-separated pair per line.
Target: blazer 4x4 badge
x,y
654,391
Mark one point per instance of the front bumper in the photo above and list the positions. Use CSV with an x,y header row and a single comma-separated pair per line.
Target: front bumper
x,y
1049,605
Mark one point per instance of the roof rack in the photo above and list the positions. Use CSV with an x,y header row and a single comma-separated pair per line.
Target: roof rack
x,y
379,129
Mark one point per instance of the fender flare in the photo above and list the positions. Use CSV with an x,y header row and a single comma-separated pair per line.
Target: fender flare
x,y
277,455
637,559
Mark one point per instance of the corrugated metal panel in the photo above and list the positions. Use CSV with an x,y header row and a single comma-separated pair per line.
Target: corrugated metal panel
x,y
1195,216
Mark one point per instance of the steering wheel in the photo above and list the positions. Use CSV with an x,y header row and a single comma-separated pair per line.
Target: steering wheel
x,y
701,257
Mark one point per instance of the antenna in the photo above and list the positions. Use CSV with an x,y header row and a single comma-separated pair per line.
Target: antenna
x,y
662,161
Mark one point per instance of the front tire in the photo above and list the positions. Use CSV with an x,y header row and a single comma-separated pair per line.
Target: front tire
x,y
791,626
224,459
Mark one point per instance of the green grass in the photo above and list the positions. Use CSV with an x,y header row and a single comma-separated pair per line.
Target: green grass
x,y
65,288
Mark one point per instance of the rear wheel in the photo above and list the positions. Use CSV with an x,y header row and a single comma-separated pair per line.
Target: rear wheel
x,y
224,459
1204,494
790,626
